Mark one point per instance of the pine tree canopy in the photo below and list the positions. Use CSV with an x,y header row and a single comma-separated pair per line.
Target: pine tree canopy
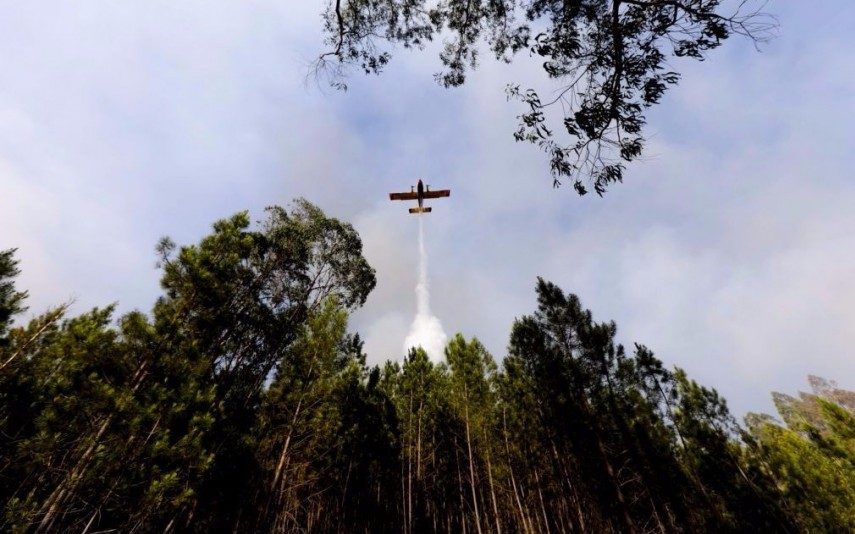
x,y
242,402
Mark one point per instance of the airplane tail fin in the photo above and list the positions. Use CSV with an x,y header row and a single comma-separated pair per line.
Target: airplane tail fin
x,y
420,210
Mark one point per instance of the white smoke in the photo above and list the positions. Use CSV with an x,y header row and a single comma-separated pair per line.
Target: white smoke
x,y
426,331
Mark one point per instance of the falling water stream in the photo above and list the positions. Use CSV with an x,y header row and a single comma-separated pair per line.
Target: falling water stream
x,y
426,330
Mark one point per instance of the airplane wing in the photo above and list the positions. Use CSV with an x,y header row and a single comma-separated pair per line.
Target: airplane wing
x,y
438,194
404,196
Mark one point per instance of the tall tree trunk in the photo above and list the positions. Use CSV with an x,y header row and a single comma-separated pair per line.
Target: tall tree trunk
x,y
471,468
404,493
493,495
692,472
460,486
523,518
623,510
542,504
410,467
419,443
284,454
571,487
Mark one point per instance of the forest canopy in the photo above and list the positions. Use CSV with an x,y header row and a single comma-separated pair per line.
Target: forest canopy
x,y
611,60
241,402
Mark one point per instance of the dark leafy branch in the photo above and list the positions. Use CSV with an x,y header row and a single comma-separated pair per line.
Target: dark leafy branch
x,y
608,57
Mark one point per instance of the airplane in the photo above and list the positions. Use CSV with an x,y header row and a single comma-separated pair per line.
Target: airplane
x,y
420,193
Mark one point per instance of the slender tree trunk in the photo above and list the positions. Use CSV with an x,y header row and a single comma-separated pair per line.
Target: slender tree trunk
x,y
460,486
410,467
571,487
523,518
284,454
623,511
91,520
419,443
542,504
692,472
404,495
471,465
493,495
577,506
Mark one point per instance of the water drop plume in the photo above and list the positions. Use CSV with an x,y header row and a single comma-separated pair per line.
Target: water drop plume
x,y
426,331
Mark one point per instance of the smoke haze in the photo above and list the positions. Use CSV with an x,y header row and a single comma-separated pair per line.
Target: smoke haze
x,y
426,331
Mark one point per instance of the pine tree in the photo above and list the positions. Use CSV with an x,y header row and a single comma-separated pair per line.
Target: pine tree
x,y
11,301
148,424
812,456
472,373
242,403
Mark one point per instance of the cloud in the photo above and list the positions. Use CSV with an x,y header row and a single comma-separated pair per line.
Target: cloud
x,y
727,250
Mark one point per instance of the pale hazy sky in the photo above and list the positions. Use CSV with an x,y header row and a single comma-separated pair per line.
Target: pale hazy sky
x,y
729,251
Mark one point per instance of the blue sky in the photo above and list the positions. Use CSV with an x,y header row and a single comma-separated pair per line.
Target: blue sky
x,y
729,251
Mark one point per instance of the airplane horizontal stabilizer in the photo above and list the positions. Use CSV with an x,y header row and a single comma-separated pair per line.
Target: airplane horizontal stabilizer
x,y
420,210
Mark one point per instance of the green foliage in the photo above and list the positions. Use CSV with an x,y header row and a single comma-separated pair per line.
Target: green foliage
x,y
11,301
610,59
149,422
625,433
811,457
241,403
